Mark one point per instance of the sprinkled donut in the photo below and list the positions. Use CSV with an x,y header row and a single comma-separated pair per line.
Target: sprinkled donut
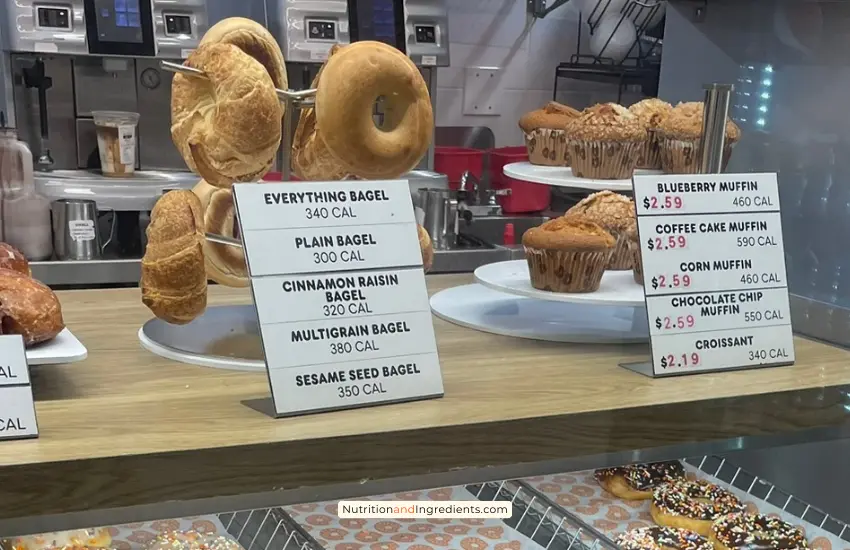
x,y
193,540
692,505
637,481
748,531
658,538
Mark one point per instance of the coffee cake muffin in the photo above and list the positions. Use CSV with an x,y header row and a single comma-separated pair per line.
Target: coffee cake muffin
x,y
567,254
544,132
615,213
681,136
651,113
605,142
634,251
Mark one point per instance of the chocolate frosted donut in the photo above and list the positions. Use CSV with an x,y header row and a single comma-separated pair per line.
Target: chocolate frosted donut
x,y
692,505
637,481
755,532
658,538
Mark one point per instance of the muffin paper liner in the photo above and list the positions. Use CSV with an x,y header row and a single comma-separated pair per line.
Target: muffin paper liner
x,y
566,270
621,258
637,265
650,154
682,156
606,160
547,147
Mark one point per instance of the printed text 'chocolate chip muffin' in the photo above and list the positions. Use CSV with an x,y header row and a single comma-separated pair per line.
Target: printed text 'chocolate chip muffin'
x,y
567,254
545,137
605,142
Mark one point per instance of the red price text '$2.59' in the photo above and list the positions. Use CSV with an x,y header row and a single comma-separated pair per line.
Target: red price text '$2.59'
x,y
673,242
674,323
663,202
671,281
680,361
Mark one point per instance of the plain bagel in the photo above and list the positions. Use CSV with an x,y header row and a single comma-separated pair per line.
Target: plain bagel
x,y
253,39
228,128
224,264
339,137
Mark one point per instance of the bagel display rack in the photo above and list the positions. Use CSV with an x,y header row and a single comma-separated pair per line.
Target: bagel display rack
x,y
550,525
503,302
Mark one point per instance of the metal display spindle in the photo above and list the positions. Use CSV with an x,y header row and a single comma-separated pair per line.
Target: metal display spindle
x,y
717,97
291,100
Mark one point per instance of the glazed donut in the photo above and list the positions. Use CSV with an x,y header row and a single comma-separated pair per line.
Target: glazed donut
x,y
662,538
637,481
227,127
339,136
193,540
224,264
692,505
28,308
13,259
748,531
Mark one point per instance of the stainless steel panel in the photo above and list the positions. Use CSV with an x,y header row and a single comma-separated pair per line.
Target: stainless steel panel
x,y
98,89
18,19
7,93
287,22
87,155
60,109
178,47
156,150
427,12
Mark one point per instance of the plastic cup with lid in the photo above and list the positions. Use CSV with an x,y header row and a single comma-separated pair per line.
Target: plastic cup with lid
x,y
116,141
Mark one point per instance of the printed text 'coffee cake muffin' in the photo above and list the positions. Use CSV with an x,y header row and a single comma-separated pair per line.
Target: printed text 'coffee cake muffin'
x,y
567,254
605,142
545,137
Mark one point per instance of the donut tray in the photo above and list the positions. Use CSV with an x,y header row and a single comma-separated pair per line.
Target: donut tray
x,y
556,512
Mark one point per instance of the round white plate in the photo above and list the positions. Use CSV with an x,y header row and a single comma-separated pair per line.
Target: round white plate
x,y
618,288
479,308
562,176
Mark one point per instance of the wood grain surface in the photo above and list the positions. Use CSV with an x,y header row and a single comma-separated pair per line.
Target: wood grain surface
x,y
126,427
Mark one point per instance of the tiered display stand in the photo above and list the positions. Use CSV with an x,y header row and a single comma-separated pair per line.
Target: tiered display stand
x,y
504,302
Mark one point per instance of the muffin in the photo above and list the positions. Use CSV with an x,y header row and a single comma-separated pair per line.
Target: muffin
x,y
634,251
681,134
567,254
605,142
545,137
615,213
651,113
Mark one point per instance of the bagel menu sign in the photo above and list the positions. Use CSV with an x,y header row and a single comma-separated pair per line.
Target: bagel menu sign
x,y
17,410
336,274
714,273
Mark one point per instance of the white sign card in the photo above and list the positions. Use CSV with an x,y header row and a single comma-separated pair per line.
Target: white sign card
x,y
714,272
17,409
336,274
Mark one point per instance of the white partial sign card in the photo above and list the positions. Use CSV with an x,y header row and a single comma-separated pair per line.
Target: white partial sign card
x,y
336,274
17,409
714,272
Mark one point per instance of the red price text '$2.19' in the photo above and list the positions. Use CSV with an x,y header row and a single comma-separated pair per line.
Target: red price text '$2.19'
x,y
673,242
680,361
663,202
674,323
671,281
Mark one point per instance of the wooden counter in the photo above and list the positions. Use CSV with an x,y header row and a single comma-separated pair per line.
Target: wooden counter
x,y
127,428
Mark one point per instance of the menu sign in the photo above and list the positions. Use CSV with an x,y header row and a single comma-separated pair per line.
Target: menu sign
x,y
714,272
337,278
17,410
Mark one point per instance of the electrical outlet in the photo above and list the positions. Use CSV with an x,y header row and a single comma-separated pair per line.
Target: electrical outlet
x,y
482,91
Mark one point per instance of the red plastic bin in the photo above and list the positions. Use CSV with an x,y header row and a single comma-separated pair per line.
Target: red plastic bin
x,y
454,161
525,196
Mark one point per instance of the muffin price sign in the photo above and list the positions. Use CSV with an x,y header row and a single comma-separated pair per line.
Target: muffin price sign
x,y
336,274
713,264
17,411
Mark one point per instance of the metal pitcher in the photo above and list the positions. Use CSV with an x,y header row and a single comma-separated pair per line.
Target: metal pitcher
x,y
75,230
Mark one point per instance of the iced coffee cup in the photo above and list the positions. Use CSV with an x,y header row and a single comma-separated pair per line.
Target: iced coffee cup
x,y
116,141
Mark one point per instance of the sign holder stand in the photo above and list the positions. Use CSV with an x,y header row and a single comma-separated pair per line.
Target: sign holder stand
x,y
717,98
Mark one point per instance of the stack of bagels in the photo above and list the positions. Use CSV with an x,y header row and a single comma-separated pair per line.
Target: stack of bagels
x,y
227,127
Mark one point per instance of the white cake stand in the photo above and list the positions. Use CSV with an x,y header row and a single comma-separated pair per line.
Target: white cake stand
x,y
562,176
618,288
477,307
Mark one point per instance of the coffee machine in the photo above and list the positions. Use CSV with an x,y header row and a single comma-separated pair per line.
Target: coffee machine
x,y
306,31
